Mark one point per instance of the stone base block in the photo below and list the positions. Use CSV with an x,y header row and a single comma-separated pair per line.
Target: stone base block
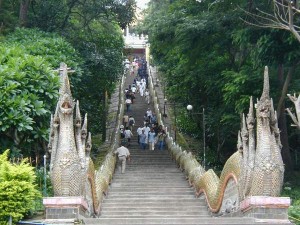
x,y
263,207
65,208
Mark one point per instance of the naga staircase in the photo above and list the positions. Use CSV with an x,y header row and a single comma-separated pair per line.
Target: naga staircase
x,y
156,190
152,190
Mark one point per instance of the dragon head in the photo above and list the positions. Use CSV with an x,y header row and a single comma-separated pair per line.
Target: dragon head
x,y
66,104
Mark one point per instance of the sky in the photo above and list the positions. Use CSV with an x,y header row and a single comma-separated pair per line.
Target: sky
x,y
142,3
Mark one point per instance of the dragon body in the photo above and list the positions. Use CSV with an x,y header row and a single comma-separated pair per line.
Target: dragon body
x,y
255,169
71,169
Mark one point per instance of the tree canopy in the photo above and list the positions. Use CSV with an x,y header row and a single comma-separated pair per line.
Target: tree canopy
x,y
28,86
86,35
206,50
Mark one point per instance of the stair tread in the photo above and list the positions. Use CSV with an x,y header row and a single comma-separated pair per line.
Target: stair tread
x,y
153,189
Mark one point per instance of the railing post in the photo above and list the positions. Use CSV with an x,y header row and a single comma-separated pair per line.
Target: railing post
x,y
203,121
45,176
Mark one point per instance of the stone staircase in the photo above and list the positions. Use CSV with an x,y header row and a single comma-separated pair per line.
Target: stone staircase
x,y
153,190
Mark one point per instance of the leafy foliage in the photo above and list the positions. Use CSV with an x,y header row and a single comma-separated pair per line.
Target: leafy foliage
x,y
94,31
29,86
17,189
205,50
93,28
102,51
291,189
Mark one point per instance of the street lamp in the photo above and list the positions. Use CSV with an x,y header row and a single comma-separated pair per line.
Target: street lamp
x,y
190,108
165,102
165,99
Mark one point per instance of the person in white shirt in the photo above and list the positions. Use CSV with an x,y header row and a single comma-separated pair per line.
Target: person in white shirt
x,y
128,134
151,137
141,89
139,132
133,89
144,85
149,113
138,86
146,131
131,71
123,154
147,96
128,103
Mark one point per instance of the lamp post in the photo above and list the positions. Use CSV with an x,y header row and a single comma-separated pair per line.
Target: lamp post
x,y
165,99
190,108
175,128
45,176
165,102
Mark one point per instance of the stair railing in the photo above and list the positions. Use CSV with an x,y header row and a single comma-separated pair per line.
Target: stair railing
x,y
105,172
243,188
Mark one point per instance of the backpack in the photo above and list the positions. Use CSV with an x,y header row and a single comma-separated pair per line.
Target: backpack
x,y
131,122
122,133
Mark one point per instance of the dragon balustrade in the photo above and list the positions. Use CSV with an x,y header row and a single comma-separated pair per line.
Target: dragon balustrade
x,y
255,169
76,183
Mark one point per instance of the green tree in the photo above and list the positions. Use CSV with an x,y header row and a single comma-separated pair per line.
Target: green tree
x,y
93,27
60,16
101,48
205,50
56,15
17,189
29,87
8,16
193,49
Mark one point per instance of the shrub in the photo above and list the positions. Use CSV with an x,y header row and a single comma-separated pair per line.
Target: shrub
x,y
17,189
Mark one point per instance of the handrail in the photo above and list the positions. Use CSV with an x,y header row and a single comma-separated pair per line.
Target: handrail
x,y
104,174
234,174
194,170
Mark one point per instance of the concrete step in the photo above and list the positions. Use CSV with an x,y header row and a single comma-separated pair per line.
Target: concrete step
x,y
151,189
153,158
154,213
134,177
133,186
114,194
140,154
152,201
150,163
151,197
154,165
149,176
156,170
118,188
174,172
173,220
150,208
154,204
148,179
